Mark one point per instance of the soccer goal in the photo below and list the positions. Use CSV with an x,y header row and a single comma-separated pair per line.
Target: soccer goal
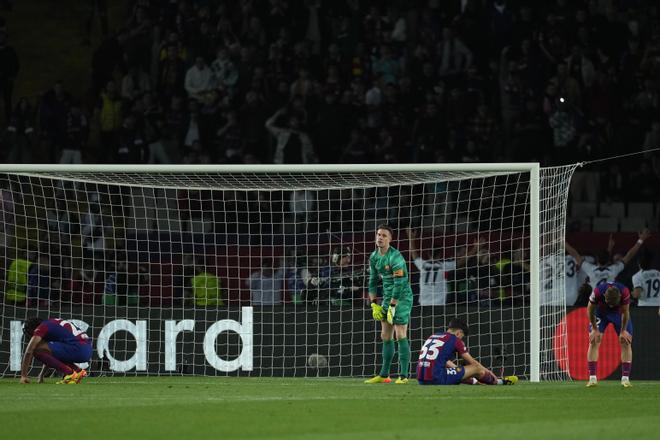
x,y
262,270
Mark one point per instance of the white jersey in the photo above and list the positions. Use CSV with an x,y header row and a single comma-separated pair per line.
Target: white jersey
x,y
433,281
572,279
649,282
598,274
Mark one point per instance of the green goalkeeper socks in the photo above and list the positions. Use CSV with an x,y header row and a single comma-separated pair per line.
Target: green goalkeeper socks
x,y
388,355
404,357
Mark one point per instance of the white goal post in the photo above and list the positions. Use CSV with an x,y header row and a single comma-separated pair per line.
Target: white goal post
x,y
261,269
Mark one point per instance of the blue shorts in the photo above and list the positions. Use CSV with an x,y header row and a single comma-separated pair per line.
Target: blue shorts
x,y
77,352
446,376
603,320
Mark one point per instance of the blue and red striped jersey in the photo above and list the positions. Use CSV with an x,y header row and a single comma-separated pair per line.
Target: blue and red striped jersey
x,y
60,330
436,351
598,297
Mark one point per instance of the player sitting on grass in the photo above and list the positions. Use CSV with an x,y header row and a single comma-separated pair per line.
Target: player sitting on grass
x,y
57,344
436,368
610,303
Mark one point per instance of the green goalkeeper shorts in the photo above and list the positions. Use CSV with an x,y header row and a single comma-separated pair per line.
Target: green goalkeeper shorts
x,y
403,309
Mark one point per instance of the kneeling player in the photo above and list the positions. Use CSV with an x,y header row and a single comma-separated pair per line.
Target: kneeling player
x,y
436,368
57,344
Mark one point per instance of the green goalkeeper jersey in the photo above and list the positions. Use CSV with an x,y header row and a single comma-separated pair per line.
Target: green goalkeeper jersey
x,y
393,270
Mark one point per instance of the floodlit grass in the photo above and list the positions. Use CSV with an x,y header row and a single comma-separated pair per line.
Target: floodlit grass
x,y
193,408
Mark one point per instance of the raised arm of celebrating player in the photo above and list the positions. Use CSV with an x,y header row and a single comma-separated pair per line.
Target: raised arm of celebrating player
x,y
638,244
412,243
573,253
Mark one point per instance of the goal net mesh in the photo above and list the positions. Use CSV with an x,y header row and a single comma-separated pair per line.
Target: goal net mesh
x,y
265,273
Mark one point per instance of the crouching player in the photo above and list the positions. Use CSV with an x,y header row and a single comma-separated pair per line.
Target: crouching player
x,y
436,368
609,303
57,344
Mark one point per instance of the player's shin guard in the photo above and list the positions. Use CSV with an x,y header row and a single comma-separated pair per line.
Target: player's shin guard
x,y
388,355
51,361
404,357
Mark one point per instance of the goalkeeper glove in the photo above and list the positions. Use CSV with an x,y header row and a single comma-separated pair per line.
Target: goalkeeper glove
x,y
377,312
391,311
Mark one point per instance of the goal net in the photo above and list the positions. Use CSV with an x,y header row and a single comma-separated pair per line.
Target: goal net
x,y
262,270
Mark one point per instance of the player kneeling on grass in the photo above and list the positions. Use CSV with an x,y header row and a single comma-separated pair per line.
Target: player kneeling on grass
x,y
57,344
436,368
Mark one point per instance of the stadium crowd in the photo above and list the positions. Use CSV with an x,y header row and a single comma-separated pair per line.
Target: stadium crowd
x,y
305,81
285,81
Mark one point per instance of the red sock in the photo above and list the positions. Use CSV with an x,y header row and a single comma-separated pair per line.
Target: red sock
x,y
51,361
488,379
592,365
625,368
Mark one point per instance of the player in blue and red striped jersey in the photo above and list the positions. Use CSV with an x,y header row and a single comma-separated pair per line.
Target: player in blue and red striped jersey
x,y
610,303
435,366
57,344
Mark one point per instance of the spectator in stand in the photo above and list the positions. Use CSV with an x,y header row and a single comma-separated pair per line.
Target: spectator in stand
x,y
17,280
293,146
206,288
110,114
265,285
229,141
9,67
482,126
135,83
225,73
251,118
77,132
53,108
376,69
171,72
20,133
511,92
197,130
131,147
338,282
174,126
454,58
153,121
38,288
199,79
562,122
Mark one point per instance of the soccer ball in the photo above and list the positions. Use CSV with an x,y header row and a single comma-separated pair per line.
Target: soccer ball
x,y
316,360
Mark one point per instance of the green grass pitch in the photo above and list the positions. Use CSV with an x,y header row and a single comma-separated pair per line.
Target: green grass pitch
x,y
265,408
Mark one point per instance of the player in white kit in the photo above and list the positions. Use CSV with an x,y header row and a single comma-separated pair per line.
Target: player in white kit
x,y
646,284
604,270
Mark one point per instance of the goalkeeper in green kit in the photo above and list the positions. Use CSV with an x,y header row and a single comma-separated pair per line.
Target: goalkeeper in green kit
x,y
388,264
